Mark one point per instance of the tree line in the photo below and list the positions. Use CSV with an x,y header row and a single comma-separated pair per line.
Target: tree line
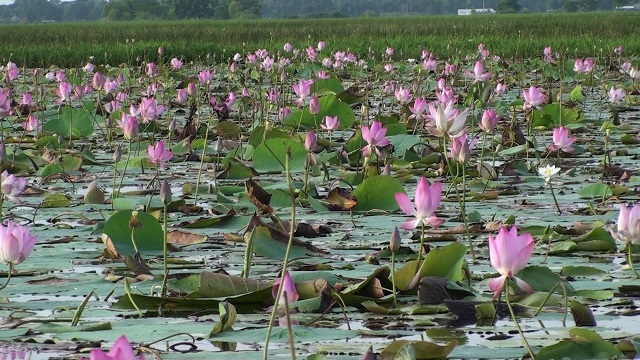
x,y
33,11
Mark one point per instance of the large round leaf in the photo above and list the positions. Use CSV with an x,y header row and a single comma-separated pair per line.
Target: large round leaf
x,y
148,238
77,122
377,192
330,105
270,155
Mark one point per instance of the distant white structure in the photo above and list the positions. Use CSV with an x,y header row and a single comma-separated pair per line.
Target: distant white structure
x,y
635,7
465,12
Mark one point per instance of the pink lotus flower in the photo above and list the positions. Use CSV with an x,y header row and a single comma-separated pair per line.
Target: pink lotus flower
x,y
321,45
322,74
159,155
389,52
429,64
478,73
121,350
461,148
426,202
450,69
533,98
27,99
583,66
628,230
314,105
176,64
562,140
12,186
98,81
548,56
447,119
205,76
418,109
375,137
192,89
16,243
509,253
110,86
310,142
616,95
181,95
267,64
31,124
403,95
489,121
283,113
64,92
13,73
5,102
288,47
150,110
330,123
152,69
501,89
302,89
288,287
129,126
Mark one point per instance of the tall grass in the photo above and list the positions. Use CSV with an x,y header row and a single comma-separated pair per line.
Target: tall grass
x,y
512,36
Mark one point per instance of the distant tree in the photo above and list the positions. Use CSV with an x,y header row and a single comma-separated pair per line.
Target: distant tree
x,y
135,10
508,6
571,6
589,5
617,3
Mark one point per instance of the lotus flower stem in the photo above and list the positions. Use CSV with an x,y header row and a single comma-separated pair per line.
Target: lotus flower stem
x,y
421,245
555,201
289,330
8,276
393,277
630,260
463,211
126,164
204,151
515,319
285,261
566,301
165,273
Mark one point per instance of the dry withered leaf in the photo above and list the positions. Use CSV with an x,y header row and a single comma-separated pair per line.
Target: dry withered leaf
x,y
311,230
178,237
258,196
233,238
341,200
111,249
280,235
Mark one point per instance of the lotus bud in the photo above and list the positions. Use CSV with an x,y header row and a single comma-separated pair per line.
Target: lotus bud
x,y
314,105
394,243
165,192
117,153
387,169
94,194
191,89
310,141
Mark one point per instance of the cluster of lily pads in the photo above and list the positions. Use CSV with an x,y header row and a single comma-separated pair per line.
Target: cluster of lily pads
x,y
342,135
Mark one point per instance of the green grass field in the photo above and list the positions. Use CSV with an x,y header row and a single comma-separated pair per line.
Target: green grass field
x,y
511,36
